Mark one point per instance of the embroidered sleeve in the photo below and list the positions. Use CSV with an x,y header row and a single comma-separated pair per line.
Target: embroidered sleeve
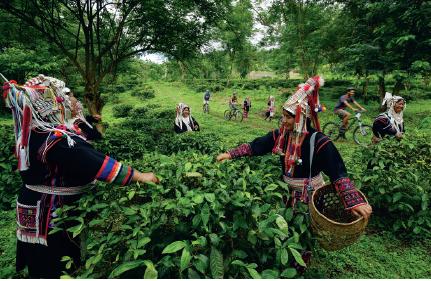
x,y
348,193
114,172
242,150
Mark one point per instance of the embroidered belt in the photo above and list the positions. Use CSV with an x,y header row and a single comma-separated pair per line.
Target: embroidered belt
x,y
297,184
60,190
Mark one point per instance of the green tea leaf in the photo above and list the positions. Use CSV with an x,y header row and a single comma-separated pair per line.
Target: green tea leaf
x,y
150,272
174,247
185,259
253,273
216,263
125,267
297,257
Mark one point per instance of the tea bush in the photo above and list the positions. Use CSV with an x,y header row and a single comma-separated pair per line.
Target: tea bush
x,y
205,220
122,110
10,181
207,143
144,94
396,180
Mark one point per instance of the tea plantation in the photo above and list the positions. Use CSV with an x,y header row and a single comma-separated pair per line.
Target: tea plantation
x,y
228,220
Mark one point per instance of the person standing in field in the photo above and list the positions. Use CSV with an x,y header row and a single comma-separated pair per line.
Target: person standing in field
x,y
294,143
391,122
271,108
246,107
184,122
57,165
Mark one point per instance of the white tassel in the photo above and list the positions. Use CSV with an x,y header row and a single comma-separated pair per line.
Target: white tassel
x,y
70,141
23,159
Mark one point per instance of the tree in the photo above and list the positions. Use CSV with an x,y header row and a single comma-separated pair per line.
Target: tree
x,y
398,30
298,28
95,35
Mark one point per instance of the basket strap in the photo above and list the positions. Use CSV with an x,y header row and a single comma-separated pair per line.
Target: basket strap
x,y
308,187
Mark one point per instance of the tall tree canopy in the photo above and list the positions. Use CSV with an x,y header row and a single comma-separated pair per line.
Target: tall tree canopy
x,y
96,35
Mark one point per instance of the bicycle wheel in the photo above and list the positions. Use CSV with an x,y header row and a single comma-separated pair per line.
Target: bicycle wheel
x,y
331,130
227,115
239,115
362,135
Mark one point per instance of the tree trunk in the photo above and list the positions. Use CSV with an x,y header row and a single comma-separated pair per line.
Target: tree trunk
x,y
382,91
397,87
365,88
93,100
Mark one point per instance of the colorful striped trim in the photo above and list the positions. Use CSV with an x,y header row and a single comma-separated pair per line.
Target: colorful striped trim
x,y
109,170
115,172
124,176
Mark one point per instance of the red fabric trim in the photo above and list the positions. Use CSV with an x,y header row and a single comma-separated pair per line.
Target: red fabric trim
x,y
322,146
105,162
126,178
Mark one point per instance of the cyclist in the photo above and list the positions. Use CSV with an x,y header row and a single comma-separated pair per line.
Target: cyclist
x,y
343,102
207,96
233,102
391,122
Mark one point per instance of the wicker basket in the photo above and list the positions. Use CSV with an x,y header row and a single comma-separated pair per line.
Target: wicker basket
x,y
334,227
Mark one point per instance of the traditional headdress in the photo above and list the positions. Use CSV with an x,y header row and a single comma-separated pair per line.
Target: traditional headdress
x,y
303,104
39,104
396,119
180,118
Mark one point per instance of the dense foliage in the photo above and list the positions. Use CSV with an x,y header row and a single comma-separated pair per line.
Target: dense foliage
x,y
205,220
10,180
396,180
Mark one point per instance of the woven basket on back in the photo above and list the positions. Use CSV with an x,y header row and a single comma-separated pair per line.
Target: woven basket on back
x,y
334,227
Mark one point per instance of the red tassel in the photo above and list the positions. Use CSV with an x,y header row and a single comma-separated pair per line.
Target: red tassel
x,y
25,126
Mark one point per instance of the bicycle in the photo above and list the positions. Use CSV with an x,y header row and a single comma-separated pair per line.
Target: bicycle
x,y
361,134
235,113
206,108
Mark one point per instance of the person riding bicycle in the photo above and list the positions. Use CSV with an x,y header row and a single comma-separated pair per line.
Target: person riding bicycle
x,y
292,143
233,102
343,102
207,96
390,123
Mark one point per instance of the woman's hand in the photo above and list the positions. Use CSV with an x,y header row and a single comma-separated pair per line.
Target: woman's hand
x,y
144,177
363,211
150,177
223,156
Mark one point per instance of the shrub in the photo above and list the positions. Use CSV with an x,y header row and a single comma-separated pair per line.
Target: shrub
x,y
123,144
139,112
205,220
146,93
122,110
202,142
10,181
396,181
